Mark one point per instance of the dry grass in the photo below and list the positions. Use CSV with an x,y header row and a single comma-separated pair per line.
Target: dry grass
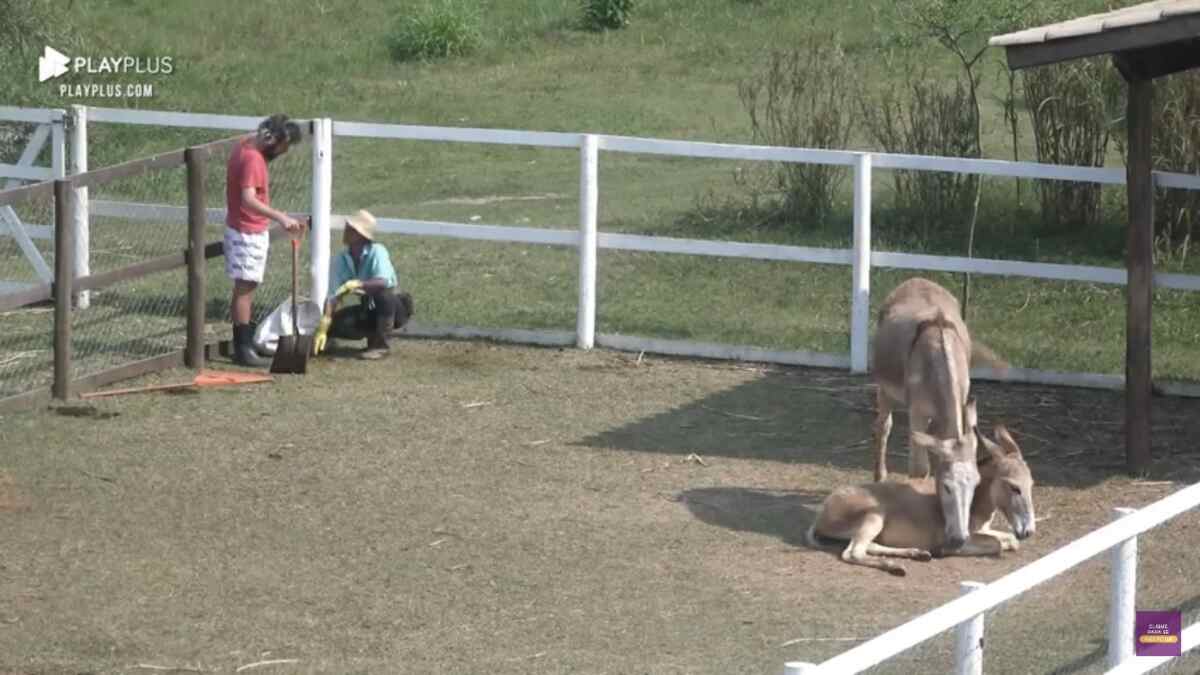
x,y
601,513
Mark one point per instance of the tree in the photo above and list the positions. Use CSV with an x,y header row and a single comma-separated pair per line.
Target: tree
x,y
963,28
25,27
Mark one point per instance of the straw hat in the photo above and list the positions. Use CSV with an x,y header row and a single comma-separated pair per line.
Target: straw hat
x,y
363,223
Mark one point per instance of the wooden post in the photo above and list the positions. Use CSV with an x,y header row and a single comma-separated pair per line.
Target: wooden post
x,y
64,264
860,302
79,164
322,205
195,160
1140,286
968,639
589,196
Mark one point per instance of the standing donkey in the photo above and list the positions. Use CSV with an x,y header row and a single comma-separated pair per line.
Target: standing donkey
x,y
922,357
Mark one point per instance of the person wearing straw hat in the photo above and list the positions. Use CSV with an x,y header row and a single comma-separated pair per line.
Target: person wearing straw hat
x,y
248,217
363,268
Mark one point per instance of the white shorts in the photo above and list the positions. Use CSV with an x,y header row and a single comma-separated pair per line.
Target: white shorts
x,y
246,254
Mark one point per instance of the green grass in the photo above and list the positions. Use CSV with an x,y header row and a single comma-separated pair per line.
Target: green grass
x,y
672,73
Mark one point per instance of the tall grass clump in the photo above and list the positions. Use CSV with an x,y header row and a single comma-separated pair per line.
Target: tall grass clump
x,y
925,116
440,29
601,15
802,98
1176,148
1070,111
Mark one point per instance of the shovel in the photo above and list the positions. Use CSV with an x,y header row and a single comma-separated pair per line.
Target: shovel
x,y
291,355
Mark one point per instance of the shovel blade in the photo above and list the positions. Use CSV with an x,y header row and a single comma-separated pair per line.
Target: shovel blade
x,y
291,354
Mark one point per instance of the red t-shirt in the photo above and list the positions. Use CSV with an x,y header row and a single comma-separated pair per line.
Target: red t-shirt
x,y
247,168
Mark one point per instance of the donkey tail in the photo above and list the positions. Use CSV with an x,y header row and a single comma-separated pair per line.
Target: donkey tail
x,y
982,354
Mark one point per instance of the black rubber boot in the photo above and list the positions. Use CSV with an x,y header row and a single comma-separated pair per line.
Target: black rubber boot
x,y
244,353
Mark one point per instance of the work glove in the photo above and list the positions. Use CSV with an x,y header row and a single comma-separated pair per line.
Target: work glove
x,y
349,287
322,333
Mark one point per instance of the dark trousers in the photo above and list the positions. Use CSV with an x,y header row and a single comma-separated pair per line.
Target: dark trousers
x,y
373,318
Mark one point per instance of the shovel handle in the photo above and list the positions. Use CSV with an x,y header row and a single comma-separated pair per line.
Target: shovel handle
x,y
295,285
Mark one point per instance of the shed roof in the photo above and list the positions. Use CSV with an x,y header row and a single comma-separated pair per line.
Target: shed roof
x,y
1146,13
1146,41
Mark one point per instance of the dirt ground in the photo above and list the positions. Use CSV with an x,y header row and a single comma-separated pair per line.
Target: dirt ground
x,y
466,507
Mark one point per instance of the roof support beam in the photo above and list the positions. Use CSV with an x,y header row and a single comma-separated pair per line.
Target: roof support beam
x,y
1150,63
1131,38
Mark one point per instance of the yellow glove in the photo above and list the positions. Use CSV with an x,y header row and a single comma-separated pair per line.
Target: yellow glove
x,y
322,332
349,287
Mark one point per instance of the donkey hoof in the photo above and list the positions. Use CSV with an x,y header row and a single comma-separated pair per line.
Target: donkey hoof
x,y
897,571
923,556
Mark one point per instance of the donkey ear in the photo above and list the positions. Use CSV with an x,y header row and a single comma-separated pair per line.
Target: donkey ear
x,y
941,448
1006,441
991,446
920,439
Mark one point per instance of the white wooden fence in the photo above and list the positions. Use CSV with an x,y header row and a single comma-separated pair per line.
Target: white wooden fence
x,y
50,127
965,613
587,240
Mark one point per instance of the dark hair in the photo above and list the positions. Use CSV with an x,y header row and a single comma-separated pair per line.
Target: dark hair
x,y
277,128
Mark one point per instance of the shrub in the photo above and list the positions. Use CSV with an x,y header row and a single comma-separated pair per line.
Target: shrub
x,y
802,98
25,27
1068,106
1177,148
606,14
925,117
441,29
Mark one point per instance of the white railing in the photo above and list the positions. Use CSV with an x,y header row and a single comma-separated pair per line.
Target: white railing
x,y
965,613
587,240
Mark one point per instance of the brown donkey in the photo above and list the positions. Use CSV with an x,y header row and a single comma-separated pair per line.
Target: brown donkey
x,y
922,356
904,519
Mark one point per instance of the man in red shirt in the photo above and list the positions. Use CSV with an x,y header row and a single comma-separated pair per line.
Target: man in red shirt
x,y
248,216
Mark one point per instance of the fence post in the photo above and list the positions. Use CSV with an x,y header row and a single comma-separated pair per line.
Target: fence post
x,y
79,164
1122,597
968,639
322,205
798,668
589,198
58,144
63,267
860,305
196,159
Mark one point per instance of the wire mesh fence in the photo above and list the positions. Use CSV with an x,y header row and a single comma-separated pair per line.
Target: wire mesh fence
x,y
137,217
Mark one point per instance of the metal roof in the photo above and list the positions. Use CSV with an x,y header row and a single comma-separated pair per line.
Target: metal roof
x,y
1095,24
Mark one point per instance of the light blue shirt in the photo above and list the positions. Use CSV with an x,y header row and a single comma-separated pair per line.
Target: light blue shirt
x,y
376,264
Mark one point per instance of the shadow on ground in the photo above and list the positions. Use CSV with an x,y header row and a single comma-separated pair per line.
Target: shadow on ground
x,y
1071,437
783,514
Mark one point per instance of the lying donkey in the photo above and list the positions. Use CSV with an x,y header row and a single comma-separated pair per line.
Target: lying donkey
x,y
904,519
